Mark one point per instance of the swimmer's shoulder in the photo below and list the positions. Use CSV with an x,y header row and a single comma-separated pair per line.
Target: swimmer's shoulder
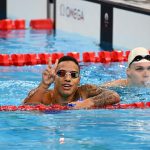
x,y
48,97
83,90
87,87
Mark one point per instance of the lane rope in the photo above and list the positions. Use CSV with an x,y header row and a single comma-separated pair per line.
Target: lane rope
x,y
42,58
56,107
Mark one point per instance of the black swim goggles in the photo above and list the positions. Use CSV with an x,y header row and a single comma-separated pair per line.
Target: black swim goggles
x,y
62,73
139,57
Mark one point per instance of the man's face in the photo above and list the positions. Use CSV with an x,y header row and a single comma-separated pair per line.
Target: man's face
x,y
67,85
139,73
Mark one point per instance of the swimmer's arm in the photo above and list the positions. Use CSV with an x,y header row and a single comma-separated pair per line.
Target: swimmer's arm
x,y
116,83
97,97
104,97
36,95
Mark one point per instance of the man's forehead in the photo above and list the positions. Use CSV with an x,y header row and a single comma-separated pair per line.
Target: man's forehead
x,y
141,63
67,64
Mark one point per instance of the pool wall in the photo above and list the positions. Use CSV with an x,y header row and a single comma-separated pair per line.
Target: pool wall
x,y
114,25
27,9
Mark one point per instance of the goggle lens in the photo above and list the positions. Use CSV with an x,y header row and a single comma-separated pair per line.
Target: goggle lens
x,y
62,73
139,57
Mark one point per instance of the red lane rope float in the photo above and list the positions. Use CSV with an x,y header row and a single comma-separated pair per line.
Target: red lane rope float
x,y
8,24
41,24
42,58
33,108
19,24
141,105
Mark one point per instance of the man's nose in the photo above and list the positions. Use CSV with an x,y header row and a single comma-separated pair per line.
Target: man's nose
x,y
68,77
146,73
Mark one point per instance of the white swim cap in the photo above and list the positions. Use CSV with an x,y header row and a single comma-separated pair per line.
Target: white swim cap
x,y
139,51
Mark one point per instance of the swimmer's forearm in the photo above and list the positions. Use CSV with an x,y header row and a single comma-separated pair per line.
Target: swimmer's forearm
x,y
107,97
36,95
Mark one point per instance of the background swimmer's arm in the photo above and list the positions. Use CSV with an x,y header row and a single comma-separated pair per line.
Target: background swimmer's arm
x,y
116,83
36,95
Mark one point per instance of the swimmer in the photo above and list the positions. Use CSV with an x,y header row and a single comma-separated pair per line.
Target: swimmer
x,y
65,75
138,70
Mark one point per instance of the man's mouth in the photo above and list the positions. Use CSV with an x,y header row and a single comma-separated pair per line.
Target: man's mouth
x,y
67,86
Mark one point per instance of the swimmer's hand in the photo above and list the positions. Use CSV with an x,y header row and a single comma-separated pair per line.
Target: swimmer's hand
x,y
85,104
49,73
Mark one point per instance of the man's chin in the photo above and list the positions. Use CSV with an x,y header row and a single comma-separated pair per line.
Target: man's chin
x,y
66,93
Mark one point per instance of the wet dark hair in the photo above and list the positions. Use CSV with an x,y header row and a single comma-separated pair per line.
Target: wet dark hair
x,y
69,58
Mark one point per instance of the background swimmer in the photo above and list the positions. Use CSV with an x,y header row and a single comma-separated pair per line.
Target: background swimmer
x,y
138,70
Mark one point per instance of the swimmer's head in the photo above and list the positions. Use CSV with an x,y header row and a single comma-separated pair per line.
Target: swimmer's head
x,y
68,58
139,54
138,71
67,76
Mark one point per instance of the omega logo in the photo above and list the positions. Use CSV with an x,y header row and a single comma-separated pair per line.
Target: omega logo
x,y
106,19
69,12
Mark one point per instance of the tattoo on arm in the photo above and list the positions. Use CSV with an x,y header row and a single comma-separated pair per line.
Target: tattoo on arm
x,y
94,90
106,98
101,96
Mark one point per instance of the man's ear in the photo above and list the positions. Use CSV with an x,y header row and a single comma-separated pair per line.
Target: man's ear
x,y
79,81
128,72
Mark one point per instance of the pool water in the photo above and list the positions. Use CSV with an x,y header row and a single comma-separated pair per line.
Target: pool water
x,y
76,129
39,41
81,129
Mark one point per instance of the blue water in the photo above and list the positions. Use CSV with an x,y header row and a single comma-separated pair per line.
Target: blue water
x,y
39,41
80,129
